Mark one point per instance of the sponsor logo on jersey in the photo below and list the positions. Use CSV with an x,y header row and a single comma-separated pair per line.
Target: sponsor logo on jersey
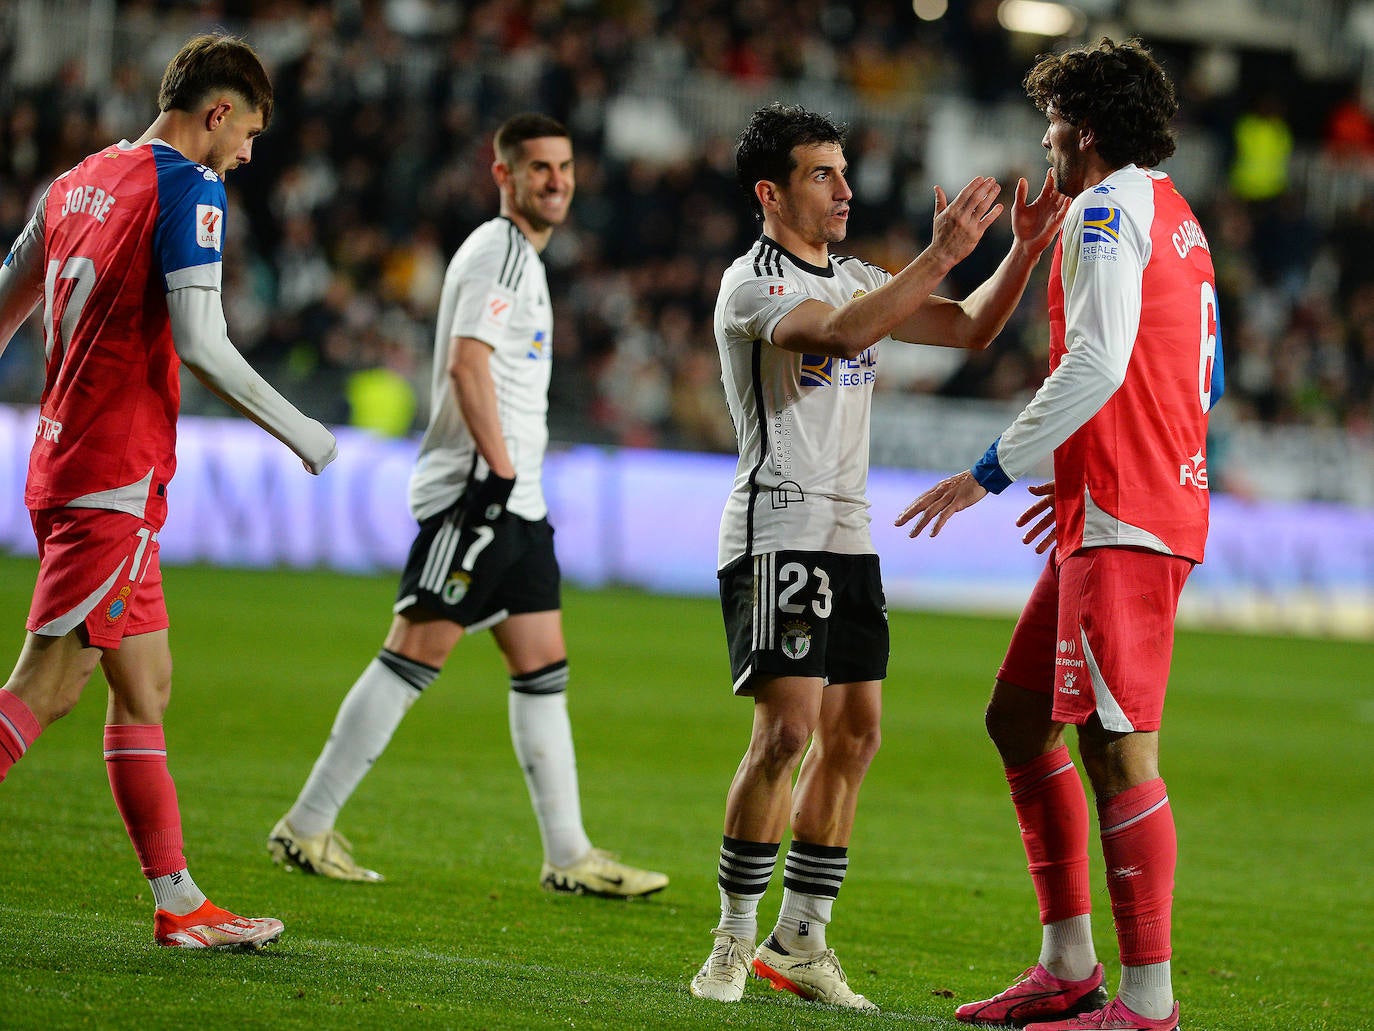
x,y
1101,225
497,309
1101,234
822,371
777,289
1194,471
48,429
209,226
788,492
796,639
539,347
119,604
1103,189
1067,648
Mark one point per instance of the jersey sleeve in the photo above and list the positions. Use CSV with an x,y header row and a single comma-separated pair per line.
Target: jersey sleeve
x,y
757,305
21,275
488,278
188,244
1104,258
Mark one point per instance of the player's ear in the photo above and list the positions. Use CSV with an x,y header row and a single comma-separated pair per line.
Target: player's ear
x,y
767,194
216,114
500,172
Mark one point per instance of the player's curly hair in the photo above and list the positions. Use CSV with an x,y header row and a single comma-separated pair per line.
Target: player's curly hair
x,y
764,149
1117,89
210,62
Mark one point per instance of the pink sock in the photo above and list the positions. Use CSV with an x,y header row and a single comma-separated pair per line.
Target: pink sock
x,y
1141,848
18,730
136,760
1052,811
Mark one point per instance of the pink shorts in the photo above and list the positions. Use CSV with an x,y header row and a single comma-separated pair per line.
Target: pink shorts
x,y
98,569
1098,631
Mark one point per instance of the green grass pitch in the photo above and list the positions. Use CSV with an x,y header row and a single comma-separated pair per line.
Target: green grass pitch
x,y
1267,750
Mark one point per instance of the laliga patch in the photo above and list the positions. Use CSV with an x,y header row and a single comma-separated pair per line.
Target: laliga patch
x,y
209,226
498,308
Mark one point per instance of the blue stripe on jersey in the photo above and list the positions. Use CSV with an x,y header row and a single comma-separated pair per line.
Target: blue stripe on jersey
x,y
1218,371
190,220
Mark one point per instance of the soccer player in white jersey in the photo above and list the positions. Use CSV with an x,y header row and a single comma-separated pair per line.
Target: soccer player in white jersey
x,y
483,556
798,329
1135,367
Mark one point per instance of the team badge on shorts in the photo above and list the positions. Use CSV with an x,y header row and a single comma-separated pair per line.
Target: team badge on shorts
x,y
119,604
456,589
796,640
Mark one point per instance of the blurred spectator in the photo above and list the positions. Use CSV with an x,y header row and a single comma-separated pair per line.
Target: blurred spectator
x,y
379,168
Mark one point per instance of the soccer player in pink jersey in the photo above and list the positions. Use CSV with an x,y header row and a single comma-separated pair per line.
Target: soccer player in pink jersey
x,y
1135,366
124,254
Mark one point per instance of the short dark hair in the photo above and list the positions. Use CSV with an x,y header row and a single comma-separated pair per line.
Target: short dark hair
x,y
212,62
1118,90
517,129
764,148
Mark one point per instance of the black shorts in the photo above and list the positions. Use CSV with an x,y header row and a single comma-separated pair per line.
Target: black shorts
x,y
479,578
805,614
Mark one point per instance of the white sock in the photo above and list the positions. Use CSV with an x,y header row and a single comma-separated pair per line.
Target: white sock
x,y
1148,991
801,922
176,893
369,715
811,878
542,735
1066,948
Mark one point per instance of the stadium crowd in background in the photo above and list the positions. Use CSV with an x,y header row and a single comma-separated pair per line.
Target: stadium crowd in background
x,y
378,170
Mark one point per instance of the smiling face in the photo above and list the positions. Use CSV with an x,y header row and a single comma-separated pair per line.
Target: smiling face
x,y
539,185
813,205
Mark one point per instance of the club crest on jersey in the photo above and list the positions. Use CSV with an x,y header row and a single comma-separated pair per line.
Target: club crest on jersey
x,y
796,640
209,226
119,604
456,589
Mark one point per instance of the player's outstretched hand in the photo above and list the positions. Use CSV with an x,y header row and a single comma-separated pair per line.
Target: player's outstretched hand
x,y
1033,225
960,223
935,506
1045,529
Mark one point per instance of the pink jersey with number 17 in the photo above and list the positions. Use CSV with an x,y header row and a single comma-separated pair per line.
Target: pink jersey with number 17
x,y
120,230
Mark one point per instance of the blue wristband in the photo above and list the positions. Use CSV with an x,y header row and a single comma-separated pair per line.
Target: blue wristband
x,y
988,471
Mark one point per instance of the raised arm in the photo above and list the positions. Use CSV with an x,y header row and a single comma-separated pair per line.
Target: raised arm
x,y
978,318
814,327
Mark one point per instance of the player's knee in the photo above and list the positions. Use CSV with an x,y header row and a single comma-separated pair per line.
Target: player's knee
x,y
779,746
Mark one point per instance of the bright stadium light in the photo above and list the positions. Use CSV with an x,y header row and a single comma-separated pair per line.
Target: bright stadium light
x,y
930,10
1039,17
